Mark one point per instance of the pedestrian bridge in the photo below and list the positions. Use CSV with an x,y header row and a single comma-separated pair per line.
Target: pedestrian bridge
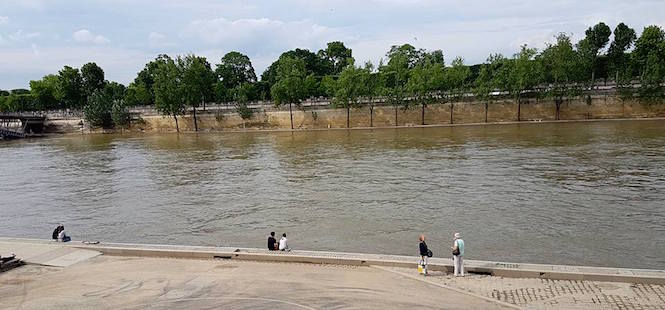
x,y
17,125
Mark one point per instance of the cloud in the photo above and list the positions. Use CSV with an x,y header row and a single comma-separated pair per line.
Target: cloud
x,y
27,4
85,36
156,39
35,50
254,34
20,36
33,62
4,20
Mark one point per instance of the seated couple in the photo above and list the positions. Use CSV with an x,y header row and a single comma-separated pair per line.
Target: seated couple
x,y
281,246
59,234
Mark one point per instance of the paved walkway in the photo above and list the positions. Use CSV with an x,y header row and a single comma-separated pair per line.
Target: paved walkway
x,y
45,253
531,293
232,278
112,282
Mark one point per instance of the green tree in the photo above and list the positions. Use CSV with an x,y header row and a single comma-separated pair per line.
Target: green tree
x,y
97,112
137,94
92,78
595,40
649,54
619,60
235,69
371,88
561,64
456,81
115,90
141,89
426,78
45,92
395,74
492,77
338,55
348,90
169,95
120,113
196,82
71,87
241,96
525,74
314,65
289,88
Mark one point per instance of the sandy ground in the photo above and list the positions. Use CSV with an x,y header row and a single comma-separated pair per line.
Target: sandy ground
x,y
107,282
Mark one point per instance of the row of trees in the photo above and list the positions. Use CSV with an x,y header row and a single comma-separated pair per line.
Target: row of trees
x,y
407,77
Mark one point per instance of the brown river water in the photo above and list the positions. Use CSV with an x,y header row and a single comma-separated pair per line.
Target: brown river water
x,y
590,193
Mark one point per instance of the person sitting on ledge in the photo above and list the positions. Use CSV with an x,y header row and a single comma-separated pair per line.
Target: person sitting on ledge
x,y
272,242
62,236
56,232
283,245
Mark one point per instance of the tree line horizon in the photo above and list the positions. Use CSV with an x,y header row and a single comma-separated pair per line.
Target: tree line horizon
x,y
407,77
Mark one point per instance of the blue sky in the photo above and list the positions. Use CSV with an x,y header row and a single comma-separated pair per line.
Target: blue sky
x,y
38,37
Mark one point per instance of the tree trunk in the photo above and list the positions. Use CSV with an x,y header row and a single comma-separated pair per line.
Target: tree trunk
x,y
395,116
196,124
291,115
371,115
348,116
452,107
557,103
177,129
519,108
486,108
422,116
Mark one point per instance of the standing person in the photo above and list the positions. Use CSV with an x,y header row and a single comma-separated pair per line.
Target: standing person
x,y
424,254
458,254
283,243
272,242
62,236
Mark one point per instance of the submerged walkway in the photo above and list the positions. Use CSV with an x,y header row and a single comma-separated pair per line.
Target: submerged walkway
x,y
137,276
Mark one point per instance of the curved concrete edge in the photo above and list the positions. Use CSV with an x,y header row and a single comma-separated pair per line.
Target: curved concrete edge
x,y
508,270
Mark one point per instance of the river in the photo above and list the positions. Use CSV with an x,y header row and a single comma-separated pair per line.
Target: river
x,y
588,193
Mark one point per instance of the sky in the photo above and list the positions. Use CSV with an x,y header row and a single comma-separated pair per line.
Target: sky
x,y
39,37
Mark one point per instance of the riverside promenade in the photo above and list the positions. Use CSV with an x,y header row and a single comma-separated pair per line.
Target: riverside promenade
x,y
111,275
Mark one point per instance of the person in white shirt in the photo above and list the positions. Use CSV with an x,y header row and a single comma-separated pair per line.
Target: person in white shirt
x,y
283,245
458,254
62,236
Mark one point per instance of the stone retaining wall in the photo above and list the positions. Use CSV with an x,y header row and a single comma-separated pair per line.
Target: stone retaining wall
x,y
601,107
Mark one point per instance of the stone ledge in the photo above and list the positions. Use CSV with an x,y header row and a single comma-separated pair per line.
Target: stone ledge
x,y
502,269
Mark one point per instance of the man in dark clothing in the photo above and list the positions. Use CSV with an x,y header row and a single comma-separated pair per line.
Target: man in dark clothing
x,y
56,232
272,242
424,254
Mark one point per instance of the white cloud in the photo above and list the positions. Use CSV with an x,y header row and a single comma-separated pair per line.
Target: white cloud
x,y
4,20
156,39
35,50
252,35
21,36
27,4
33,62
85,36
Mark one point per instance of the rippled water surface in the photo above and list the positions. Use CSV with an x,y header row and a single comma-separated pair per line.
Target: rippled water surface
x,y
569,193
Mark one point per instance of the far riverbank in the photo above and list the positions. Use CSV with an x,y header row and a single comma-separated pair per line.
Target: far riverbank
x,y
324,116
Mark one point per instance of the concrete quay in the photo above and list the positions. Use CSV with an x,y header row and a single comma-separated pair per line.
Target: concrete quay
x,y
134,276
502,269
